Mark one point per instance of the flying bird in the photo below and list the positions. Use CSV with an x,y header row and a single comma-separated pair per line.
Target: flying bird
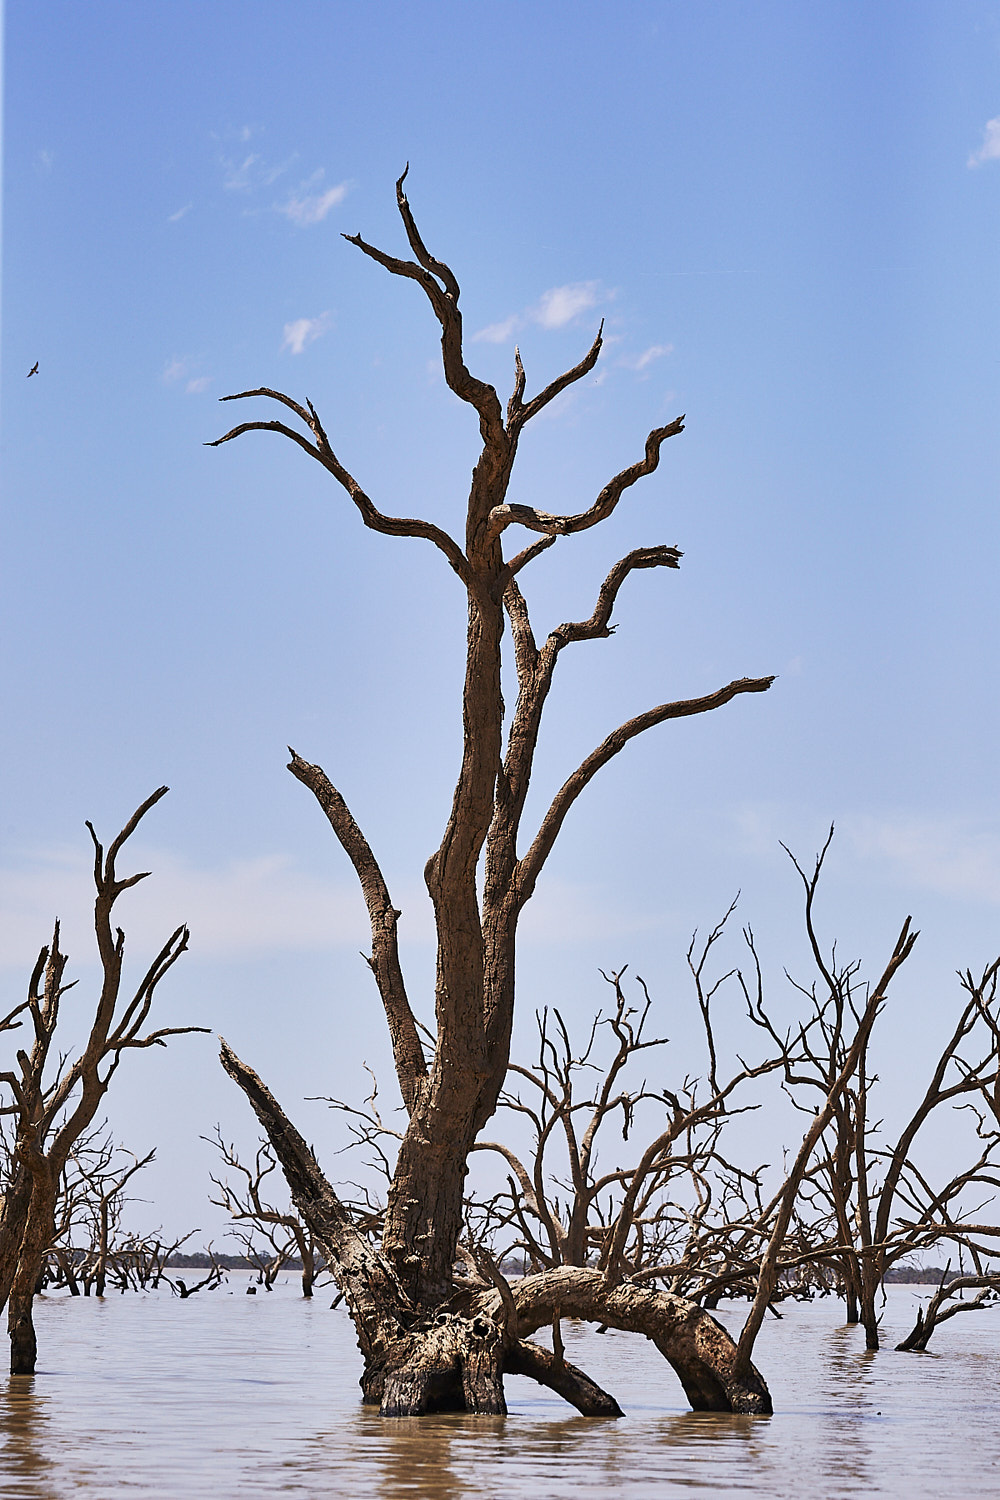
x,y
33,370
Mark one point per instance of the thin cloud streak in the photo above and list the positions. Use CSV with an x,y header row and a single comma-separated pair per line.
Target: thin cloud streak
x,y
249,906
645,359
990,149
304,331
556,308
950,856
305,208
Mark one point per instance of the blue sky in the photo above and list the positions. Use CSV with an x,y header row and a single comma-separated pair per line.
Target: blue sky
x,y
787,216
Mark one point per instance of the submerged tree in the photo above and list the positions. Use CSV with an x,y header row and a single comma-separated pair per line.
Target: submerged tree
x,y
52,1101
428,1343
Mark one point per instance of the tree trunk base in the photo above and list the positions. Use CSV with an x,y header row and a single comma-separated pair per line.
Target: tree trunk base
x,y
23,1345
456,1361
452,1364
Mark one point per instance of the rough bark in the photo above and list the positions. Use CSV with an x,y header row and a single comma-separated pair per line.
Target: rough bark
x,y
694,1344
35,1242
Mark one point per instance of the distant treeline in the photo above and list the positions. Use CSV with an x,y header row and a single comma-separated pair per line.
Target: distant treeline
x,y
916,1275
199,1260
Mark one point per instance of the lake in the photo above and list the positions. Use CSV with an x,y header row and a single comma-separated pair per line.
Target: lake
x,y
227,1395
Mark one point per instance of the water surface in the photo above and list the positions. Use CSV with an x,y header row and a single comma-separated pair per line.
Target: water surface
x,y
226,1395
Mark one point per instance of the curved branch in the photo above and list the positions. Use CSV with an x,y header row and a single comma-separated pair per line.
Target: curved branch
x,y
436,267
699,1349
597,625
411,1066
530,865
575,1386
322,452
505,515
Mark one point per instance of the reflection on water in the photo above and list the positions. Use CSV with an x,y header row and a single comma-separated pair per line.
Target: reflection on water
x,y
224,1396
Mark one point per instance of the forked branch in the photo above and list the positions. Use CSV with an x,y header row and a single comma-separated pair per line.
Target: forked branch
x,y
518,412
442,290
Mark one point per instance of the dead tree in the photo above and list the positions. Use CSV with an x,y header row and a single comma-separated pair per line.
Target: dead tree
x,y
673,1214
948,1301
51,1114
89,1208
270,1236
420,1348
863,1202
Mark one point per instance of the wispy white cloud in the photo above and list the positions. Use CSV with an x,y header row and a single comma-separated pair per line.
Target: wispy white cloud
x,y
304,331
561,304
250,172
498,333
952,856
555,308
245,907
184,369
172,218
645,359
44,159
239,175
310,202
990,149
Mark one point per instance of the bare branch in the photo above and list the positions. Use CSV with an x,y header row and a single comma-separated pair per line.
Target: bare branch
x,y
530,865
442,290
408,1053
518,414
506,515
322,452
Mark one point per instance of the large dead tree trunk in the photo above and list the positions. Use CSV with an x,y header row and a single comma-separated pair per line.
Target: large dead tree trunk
x,y
452,1356
451,1096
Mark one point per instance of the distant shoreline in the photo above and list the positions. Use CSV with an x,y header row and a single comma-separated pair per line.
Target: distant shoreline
x,y
199,1260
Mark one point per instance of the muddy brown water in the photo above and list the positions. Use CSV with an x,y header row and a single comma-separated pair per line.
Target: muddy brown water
x,y
225,1395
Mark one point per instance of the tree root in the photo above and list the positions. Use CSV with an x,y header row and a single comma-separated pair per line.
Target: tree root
x,y
697,1348
525,1358
455,1364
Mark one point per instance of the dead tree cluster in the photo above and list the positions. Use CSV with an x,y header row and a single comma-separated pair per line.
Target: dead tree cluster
x,y
51,1098
689,1216
866,1203
853,1203
446,1286
270,1236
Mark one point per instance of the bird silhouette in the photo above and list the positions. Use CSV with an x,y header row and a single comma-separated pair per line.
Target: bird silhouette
x,y
33,370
